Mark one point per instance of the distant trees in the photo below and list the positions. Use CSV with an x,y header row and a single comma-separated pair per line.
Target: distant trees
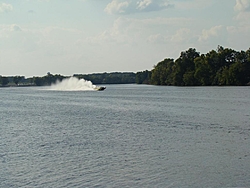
x,y
98,78
109,78
48,79
39,81
17,79
143,77
221,67
4,80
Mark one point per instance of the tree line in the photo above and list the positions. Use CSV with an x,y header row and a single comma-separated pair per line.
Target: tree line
x,y
223,66
47,80
109,78
33,81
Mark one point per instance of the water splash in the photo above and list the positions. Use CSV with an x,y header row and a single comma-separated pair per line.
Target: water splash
x,y
73,84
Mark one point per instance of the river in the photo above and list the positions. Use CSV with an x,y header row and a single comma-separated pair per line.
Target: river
x,y
125,136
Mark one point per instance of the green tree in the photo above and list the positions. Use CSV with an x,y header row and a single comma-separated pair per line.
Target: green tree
x,y
185,63
223,66
223,76
203,71
143,77
226,56
38,81
109,78
4,80
162,73
189,79
241,68
212,60
235,71
17,79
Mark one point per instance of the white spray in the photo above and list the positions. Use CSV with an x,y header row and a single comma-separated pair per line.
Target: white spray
x,y
73,84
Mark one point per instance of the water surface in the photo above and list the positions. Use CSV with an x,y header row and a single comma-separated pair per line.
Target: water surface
x,y
125,136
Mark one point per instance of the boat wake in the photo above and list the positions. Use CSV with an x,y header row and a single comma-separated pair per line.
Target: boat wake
x,y
73,84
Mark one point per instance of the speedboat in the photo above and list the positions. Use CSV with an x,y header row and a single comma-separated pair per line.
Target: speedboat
x,y
100,88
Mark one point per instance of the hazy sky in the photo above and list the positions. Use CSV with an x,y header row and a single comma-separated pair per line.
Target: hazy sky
x,y
89,36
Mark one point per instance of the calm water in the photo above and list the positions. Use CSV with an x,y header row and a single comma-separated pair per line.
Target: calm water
x,y
125,136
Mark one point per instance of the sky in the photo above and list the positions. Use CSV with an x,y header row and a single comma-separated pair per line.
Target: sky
x,y
94,36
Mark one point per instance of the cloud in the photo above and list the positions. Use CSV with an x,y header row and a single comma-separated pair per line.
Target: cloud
x,y
132,6
192,4
5,7
238,36
153,5
135,31
116,7
212,32
143,4
8,28
181,35
15,27
242,5
156,39
243,18
120,33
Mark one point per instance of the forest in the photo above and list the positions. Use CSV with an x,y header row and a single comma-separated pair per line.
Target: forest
x,y
221,67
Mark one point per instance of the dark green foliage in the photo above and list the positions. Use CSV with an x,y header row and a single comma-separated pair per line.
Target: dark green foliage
x,y
222,67
202,71
48,79
98,78
4,80
162,73
143,77
17,79
109,78
184,67
38,81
